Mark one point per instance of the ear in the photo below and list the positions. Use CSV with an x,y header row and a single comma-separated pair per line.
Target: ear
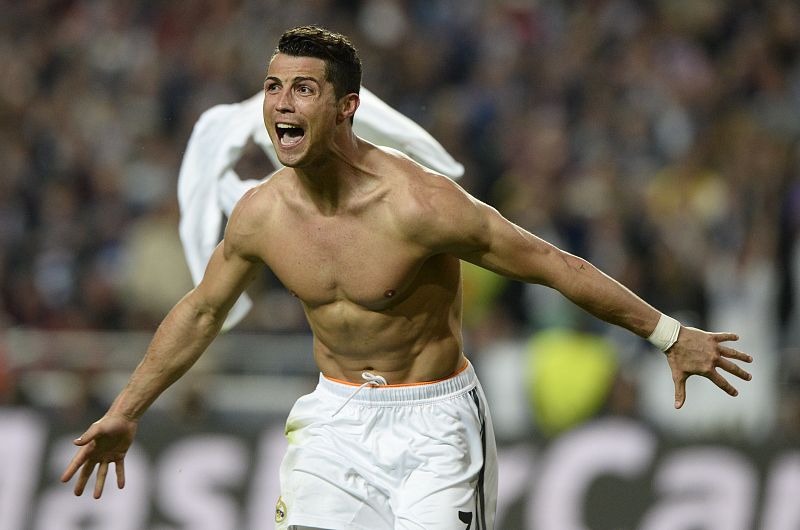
x,y
347,107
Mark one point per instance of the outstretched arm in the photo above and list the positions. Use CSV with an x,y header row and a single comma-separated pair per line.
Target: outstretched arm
x,y
457,223
181,338
689,351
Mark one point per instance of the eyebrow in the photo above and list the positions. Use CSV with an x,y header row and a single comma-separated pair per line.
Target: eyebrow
x,y
297,79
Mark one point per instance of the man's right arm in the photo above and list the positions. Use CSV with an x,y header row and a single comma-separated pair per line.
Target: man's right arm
x,y
186,331
181,338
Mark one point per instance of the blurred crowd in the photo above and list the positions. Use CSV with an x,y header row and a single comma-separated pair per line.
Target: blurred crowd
x,y
660,139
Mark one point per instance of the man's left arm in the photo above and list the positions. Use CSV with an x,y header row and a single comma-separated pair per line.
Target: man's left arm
x,y
478,233
690,352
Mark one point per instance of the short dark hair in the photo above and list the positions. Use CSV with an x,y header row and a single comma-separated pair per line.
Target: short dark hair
x,y
342,64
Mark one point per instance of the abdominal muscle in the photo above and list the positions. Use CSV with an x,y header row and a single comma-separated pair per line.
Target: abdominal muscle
x,y
397,348
416,339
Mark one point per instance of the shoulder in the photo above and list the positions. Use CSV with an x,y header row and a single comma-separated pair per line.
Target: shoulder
x,y
253,213
431,208
255,203
418,185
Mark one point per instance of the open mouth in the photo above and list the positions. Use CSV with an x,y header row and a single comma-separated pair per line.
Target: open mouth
x,y
289,135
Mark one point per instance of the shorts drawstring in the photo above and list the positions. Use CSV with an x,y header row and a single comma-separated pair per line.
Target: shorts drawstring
x,y
370,380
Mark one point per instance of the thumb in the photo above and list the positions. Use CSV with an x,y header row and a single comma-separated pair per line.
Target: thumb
x,y
680,391
88,436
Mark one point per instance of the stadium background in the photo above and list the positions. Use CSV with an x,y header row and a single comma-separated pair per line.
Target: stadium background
x,y
658,139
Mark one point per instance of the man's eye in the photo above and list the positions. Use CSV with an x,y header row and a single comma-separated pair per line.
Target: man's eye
x,y
273,87
304,89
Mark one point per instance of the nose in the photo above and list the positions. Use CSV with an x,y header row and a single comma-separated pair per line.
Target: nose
x,y
284,101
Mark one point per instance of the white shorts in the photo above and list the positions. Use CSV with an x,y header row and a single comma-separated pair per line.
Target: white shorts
x,y
418,456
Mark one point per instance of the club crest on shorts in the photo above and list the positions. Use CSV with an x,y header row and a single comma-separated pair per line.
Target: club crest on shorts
x,y
280,510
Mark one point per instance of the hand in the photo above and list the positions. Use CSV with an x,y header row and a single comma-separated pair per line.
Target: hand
x,y
698,352
107,440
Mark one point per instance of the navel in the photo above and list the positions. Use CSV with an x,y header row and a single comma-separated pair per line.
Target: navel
x,y
389,293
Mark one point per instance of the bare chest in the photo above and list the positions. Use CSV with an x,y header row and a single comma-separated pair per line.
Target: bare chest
x,y
322,261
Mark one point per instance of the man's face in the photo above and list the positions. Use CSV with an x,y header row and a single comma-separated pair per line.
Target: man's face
x,y
300,109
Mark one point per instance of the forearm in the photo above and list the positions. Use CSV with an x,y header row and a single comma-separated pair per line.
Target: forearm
x,y
602,296
181,338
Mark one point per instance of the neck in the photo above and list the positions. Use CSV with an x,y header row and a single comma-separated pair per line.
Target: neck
x,y
338,177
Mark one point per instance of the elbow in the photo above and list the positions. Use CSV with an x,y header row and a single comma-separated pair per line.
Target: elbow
x,y
206,317
209,324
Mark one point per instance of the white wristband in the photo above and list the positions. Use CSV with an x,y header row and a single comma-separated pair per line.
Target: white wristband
x,y
666,333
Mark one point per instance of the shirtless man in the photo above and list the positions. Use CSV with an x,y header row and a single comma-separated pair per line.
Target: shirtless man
x,y
370,242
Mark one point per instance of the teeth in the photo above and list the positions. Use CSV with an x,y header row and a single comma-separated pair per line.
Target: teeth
x,y
289,134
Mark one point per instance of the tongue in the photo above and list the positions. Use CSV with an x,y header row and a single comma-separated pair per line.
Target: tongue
x,y
292,136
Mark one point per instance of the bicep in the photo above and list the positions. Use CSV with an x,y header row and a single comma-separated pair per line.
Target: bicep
x,y
227,275
502,247
234,264
452,221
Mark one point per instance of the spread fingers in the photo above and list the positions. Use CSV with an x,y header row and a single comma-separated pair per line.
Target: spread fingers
x,y
77,461
724,337
101,479
723,383
119,467
735,369
734,354
83,477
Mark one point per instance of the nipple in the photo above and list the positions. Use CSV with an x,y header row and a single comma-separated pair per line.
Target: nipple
x,y
389,293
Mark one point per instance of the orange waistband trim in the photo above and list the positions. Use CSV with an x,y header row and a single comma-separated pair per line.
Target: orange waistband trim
x,y
342,382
